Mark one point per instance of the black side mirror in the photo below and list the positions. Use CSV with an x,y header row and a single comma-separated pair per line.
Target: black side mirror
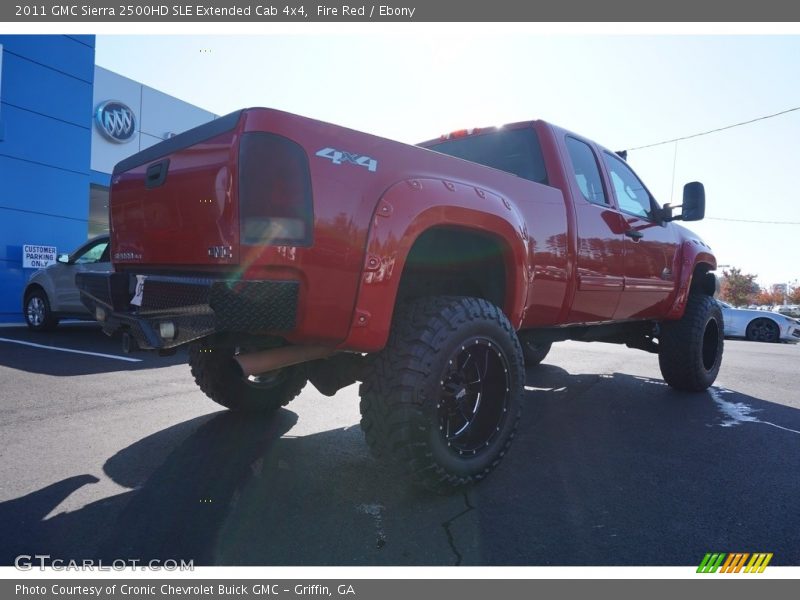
x,y
694,202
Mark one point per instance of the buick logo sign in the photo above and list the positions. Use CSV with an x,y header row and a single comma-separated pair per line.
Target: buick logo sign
x,y
115,121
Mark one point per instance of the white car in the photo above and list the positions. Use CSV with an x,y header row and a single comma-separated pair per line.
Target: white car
x,y
788,310
51,293
759,325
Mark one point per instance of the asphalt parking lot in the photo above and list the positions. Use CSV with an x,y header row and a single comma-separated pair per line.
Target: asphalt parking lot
x,y
109,458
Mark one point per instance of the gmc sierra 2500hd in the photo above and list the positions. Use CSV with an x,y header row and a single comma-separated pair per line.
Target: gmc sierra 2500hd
x,y
288,250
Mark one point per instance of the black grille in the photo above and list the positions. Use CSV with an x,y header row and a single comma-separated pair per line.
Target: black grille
x,y
196,307
168,294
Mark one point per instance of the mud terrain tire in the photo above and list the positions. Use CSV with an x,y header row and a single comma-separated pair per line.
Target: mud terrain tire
x,y
217,374
443,399
690,349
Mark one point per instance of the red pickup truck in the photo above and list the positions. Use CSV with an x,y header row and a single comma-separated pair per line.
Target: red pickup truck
x,y
288,250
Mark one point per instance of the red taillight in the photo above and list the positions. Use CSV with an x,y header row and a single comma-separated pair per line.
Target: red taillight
x,y
275,202
460,133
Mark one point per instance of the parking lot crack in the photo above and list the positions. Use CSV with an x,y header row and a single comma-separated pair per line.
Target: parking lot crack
x,y
376,512
448,532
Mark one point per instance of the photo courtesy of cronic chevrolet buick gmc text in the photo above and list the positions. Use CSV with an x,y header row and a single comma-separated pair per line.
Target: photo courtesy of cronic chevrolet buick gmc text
x,y
287,250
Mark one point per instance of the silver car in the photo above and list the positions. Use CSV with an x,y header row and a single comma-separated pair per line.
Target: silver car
x,y
759,325
788,310
51,293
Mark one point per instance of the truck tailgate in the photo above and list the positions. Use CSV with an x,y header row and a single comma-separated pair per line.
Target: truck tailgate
x,y
175,203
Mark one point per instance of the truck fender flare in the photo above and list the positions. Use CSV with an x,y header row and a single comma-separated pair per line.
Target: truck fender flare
x,y
694,253
405,211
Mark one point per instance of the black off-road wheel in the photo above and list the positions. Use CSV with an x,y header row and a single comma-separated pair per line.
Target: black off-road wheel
x,y
443,399
763,330
218,375
38,314
690,349
533,352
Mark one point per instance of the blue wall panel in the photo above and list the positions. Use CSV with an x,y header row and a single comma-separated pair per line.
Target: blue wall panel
x,y
100,178
39,139
45,152
11,278
17,229
57,51
87,40
40,89
31,187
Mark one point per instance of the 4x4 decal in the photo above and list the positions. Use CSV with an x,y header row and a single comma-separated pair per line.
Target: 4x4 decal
x,y
339,157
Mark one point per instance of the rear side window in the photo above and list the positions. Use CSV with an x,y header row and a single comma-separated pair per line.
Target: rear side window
x,y
586,171
515,151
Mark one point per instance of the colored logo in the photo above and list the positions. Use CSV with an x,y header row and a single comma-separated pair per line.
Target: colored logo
x,y
734,562
340,157
115,121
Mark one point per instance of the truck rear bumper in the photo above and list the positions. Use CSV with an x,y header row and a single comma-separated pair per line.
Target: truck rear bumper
x,y
176,310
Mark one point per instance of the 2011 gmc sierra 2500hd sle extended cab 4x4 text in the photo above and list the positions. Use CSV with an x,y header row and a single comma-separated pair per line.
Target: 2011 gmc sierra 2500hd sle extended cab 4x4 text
x,y
288,250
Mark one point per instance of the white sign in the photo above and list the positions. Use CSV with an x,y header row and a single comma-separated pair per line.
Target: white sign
x,y
38,257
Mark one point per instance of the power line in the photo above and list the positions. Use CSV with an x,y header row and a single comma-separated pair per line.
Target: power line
x,y
688,137
753,221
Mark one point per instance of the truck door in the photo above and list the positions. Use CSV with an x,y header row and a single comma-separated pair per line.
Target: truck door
x,y
650,246
600,268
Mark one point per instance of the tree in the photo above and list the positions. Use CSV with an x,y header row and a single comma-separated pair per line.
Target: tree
x,y
738,288
768,297
794,297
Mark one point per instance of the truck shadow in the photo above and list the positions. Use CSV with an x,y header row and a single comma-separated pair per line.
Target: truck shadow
x,y
33,352
623,470
606,470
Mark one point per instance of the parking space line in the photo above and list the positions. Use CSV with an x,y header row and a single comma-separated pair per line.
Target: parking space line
x,y
125,358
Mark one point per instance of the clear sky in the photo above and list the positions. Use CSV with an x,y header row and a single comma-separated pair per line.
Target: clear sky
x,y
623,91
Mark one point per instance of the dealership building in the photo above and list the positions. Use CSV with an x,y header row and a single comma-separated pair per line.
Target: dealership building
x,y
64,124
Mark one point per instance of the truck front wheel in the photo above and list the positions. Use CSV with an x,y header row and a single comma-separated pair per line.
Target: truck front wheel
x,y
690,349
217,374
444,397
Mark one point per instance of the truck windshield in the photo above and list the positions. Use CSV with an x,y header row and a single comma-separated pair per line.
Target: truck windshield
x,y
515,151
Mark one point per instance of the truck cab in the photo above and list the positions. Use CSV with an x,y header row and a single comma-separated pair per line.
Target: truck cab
x,y
626,251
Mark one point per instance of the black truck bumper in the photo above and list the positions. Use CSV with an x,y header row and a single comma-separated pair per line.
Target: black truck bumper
x,y
172,311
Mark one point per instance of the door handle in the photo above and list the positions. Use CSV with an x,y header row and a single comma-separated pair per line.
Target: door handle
x,y
634,235
156,174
